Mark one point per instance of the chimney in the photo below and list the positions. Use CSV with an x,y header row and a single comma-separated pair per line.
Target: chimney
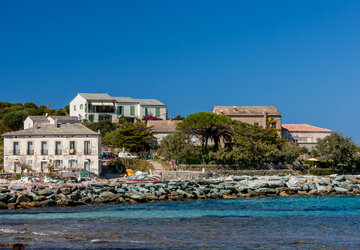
x,y
235,108
56,122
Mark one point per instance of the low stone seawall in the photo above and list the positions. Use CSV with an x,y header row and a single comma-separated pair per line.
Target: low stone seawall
x,y
199,175
36,195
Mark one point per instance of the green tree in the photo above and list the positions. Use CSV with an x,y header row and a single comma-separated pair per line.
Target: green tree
x,y
178,117
14,120
30,105
104,126
135,137
207,126
254,146
67,109
176,146
109,139
336,149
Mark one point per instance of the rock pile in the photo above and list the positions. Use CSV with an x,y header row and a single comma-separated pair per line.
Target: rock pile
x,y
18,196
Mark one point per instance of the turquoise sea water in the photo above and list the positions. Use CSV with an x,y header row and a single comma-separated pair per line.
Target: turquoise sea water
x,y
279,222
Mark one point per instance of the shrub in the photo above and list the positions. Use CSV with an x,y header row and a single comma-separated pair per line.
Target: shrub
x,y
322,171
191,160
133,164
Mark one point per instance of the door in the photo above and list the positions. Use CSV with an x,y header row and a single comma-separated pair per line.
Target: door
x,y
87,165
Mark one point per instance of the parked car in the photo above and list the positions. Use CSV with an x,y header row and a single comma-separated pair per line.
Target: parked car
x,y
127,155
107,155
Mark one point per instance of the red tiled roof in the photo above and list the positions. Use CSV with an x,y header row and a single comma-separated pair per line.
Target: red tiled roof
x,y
304,127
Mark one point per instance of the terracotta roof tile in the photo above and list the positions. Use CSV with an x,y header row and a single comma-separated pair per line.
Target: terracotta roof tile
x,y
304,127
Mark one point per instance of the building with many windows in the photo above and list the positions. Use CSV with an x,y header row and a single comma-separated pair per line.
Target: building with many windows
x,y
62,146
97,107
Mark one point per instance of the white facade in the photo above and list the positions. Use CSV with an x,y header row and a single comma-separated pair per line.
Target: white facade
x,y
61,150
97,107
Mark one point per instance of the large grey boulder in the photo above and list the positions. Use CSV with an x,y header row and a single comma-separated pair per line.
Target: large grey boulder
x,y
16,188
293,184
4,190
320,188
340,178
276,183
45,192
266,191
256,184
4,197
341,190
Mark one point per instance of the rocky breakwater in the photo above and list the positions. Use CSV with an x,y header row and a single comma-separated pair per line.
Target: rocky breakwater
x,y
18,196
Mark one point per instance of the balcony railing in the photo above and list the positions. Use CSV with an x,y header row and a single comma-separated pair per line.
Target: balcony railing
x,y
58,152
44,151
30,152
16,151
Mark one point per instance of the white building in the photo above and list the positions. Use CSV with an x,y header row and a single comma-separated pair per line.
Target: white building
x,y
97,107
63,146
30,121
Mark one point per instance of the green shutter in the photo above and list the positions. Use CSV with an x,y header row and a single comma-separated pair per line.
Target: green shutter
x,y
157,113
144,111
122,110
132,110
118,110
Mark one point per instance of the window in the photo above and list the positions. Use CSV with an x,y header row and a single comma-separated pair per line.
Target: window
x,y
44,150
81,106
58,164
273,125
72,147
30,148
58,150
30,163
87,165
87,147
120,110
74,107
256,123
309,139
91,118
16,150
73,164
157,112
132,110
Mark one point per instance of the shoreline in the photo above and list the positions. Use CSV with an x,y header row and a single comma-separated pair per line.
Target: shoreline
x,y
17,196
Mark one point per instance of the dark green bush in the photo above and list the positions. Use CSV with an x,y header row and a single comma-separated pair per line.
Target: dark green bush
x,y
191,160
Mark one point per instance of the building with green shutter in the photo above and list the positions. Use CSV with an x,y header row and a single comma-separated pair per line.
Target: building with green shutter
x,y
96,107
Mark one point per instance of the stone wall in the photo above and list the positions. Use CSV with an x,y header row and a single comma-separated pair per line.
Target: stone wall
x,y
42,195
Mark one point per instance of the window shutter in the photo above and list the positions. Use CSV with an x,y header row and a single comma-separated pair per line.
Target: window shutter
x,y
157,112
132,110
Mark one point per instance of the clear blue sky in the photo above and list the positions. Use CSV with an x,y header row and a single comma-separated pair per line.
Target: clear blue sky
x,y
300,56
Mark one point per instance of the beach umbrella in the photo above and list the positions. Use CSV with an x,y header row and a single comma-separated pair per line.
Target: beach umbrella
x,y
312,159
